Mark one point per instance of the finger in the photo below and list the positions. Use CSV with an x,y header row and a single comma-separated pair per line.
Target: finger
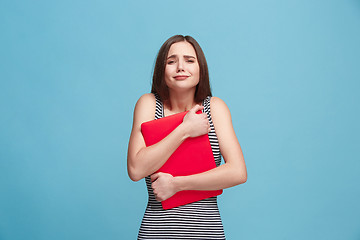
x,y
154,177
153,186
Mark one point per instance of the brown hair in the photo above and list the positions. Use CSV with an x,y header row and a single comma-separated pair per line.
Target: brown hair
x,y
158,84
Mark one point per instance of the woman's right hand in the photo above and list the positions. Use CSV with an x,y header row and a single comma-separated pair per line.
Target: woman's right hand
x,y
196,124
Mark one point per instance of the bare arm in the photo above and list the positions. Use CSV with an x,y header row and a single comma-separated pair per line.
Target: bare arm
x,y
143,161
232,173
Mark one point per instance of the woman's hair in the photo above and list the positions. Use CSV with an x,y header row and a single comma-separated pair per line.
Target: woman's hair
x,y
158,84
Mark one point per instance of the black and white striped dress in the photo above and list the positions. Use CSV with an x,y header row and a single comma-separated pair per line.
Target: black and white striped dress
x,y
198,220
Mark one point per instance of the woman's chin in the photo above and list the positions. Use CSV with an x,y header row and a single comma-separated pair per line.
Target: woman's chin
x,y
182,85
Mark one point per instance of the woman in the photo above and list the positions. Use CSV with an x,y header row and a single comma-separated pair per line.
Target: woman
x,y
181,83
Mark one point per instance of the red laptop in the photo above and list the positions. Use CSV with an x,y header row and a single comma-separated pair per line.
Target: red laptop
x,y
193,156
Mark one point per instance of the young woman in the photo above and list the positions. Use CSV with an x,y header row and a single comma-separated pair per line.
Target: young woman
x,y
181,83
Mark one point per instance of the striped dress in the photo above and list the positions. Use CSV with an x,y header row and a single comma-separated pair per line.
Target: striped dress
x,y
198,220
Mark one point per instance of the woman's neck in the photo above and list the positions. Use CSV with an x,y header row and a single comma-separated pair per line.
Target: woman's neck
x,y
180,101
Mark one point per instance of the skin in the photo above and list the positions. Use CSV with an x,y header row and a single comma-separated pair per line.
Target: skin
x,y
182,76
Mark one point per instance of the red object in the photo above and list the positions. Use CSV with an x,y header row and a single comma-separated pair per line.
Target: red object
x,y
193,156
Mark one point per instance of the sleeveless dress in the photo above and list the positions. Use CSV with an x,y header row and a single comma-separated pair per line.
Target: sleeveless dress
x,y
198,220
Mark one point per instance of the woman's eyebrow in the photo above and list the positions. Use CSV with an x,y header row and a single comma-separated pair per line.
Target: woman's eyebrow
x,y
185,56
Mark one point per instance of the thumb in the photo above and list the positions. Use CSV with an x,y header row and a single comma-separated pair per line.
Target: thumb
x,y
196,108
154,177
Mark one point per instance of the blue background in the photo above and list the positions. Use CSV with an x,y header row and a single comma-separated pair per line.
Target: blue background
x,y
72,71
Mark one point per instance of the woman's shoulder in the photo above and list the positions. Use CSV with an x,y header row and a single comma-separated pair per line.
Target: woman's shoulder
x,y
145,106
218,107
217,102
147,97
146,100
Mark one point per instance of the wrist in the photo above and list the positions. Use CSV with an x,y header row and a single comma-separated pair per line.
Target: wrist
x,y
179,183
184,132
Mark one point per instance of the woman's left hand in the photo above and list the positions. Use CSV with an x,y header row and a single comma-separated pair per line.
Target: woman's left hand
x,y
163,186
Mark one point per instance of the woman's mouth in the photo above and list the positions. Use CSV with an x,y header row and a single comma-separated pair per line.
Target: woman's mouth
x,y
181,77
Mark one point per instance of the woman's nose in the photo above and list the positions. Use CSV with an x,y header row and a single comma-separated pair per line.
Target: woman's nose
x,y
180,66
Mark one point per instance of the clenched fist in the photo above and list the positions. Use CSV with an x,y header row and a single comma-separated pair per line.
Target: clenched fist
x,y
196,124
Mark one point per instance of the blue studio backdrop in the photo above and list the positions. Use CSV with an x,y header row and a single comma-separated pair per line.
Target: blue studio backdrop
x,y
72,71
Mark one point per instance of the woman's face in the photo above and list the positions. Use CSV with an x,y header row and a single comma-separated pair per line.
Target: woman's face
x,y
182,69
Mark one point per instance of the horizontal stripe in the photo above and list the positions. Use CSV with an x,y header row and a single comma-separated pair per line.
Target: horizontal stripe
x,y
198,220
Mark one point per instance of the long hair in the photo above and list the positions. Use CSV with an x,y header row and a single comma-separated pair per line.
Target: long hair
x,y
158,84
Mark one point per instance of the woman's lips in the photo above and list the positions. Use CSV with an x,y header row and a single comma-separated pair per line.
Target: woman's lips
x,y
183,77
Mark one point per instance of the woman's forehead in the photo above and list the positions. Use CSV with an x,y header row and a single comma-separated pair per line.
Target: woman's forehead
x,y
182,48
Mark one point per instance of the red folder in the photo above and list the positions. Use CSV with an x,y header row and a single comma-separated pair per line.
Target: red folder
x,y
193,156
